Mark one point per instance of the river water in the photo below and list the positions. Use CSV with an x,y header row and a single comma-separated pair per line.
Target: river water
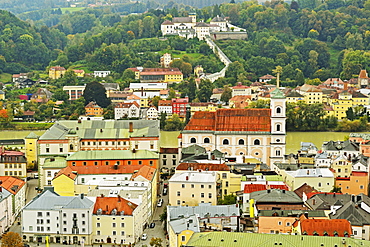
x,y
169,138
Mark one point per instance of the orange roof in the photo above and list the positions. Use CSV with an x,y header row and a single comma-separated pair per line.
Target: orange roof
x,y
126,105
359,174
203,167
57,68
160,71
133,96
257,120
146,172
249,188
11,184
363,74
78,71
329,227
164,103
108,204
267,77
67,171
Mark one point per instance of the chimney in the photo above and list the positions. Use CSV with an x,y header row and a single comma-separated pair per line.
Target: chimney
x,y
102,195
345,85
101,130
119,198
142,91
1,189
82,196
268,191
313,202
131,127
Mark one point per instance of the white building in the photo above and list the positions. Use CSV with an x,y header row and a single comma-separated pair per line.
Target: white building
x,y
64,219
127,110
6,210
152,113
165,106
321,179
74,92
241,90
101,73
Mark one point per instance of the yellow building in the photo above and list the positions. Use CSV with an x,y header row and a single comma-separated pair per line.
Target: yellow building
x,y
230,182
198,106
322,179
342,166
193,187
64,182
355,184
117,220
359,99
79,72
340,104
31,149
56,72
313,96
180,231
2,95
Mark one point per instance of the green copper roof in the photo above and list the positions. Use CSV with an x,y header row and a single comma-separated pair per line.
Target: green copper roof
x,y
113,155
58,162
102,129
238,239
277,94
32,136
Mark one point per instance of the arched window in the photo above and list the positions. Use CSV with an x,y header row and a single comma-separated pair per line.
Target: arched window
x,y
206,140
278,127
241,142
225,142
193,140
278,110
257,142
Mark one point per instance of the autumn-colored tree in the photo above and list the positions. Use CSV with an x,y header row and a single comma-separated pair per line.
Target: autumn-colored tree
x,y
11,239
156,242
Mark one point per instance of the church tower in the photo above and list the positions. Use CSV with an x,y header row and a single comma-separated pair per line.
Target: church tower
x,y
278,126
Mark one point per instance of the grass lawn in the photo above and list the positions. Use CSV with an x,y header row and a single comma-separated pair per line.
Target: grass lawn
x,y
334,54
72,9
5,77
31,126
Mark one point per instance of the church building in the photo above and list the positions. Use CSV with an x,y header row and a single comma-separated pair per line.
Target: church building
x,y
241,133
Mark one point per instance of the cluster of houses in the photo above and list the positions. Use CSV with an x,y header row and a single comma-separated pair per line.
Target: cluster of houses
x,y
100,181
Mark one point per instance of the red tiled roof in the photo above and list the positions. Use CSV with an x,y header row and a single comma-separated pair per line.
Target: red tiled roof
x,y
164,103
202,166
328,227
67,171
108,204
57,68
304,188
127,105
249,188
359,174
11,184
160,71
146,172
267,77
257,120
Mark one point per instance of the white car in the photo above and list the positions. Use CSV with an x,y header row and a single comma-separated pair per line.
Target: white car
x,y
159,204
144,237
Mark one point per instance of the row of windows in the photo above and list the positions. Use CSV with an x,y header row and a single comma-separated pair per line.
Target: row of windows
x,y
192,186
41,229
114,233
201,194
183,202
129,162
113,224
15,173
225,141
13,166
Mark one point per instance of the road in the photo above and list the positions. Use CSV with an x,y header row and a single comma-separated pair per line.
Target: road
x,y
157,231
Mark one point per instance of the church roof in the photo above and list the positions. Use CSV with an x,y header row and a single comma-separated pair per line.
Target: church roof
x,y
240,120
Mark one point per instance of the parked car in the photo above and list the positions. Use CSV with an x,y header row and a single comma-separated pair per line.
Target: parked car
x,y
165,191
165,185
159,204
144,237
152,225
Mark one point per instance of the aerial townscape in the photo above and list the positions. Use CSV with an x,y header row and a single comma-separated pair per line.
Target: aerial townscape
x,y
184,123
